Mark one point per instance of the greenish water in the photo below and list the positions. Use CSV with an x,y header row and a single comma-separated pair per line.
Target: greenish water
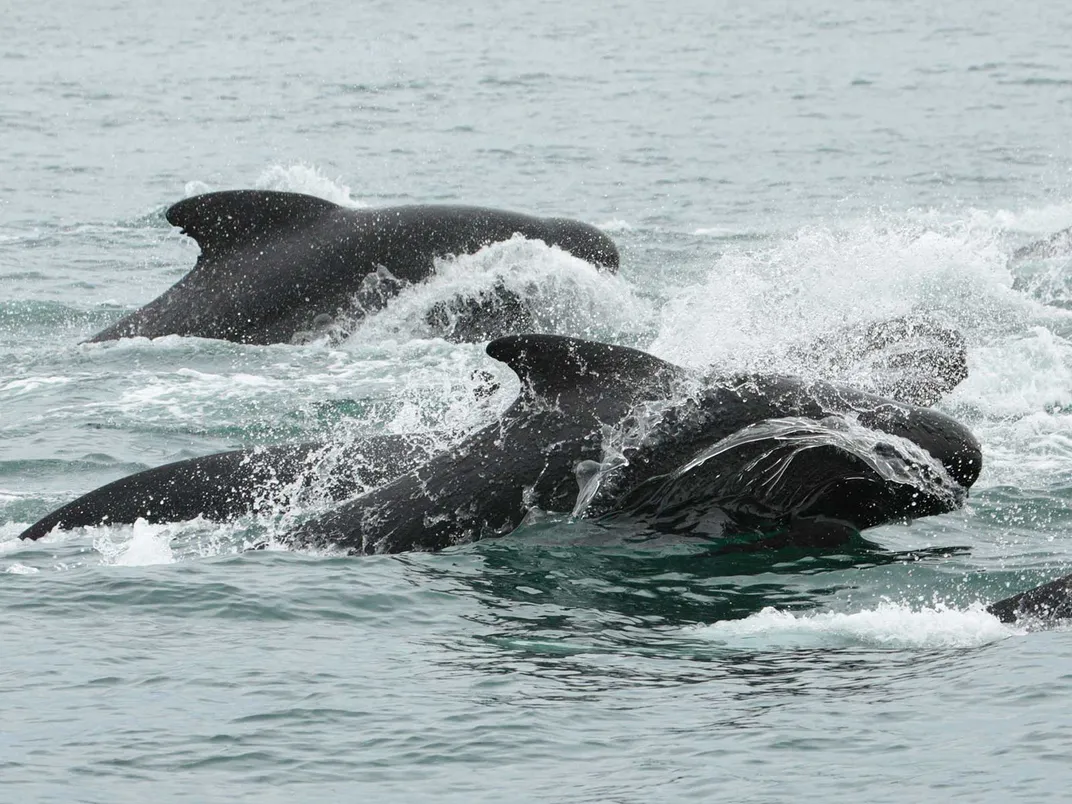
x,y
770,173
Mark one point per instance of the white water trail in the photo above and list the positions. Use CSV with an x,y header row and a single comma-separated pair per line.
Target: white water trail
x,y
887,626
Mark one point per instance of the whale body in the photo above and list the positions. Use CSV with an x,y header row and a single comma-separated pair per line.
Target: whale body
x,y
702,465
229,484
1045,604
275,265
918,361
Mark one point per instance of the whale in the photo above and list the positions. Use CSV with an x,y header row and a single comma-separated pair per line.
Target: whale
x,y
226,485
923,360
1045,604
620,436
276,266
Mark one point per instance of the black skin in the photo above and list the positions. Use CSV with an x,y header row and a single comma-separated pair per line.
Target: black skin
x,y
1046,603
274,265
571,389
743,489
230,484
471,319
480,488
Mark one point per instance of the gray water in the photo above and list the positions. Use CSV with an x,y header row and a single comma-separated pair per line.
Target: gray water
x,y
771,171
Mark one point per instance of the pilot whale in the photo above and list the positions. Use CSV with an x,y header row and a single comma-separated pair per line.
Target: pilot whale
x,y
1046,603
274,265
748,455
227,485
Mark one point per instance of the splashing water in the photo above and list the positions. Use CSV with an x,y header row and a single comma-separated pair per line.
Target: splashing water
x,y
888,626
296,178
563,294
630,434
893,458
148,544
754,304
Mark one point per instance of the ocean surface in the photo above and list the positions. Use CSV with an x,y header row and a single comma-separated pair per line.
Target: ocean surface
x,y
771,171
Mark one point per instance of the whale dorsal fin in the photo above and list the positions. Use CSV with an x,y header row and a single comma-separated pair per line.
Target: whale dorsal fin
x,y
232,218
550,366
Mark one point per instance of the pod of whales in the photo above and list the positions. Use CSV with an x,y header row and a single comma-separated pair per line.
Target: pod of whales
x,y
759,460
230,484
686,475
274,265
705,466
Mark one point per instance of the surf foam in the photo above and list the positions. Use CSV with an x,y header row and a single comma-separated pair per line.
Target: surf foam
x,y
888,625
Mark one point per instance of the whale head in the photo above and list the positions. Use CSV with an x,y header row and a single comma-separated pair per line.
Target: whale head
x,y
761,453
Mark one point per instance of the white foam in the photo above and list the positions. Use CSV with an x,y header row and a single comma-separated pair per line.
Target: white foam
x,y
9,536
1040,221
195,187
719,231
755,303
1027,373
889,625
20,569
140,343
296,178
565,294
1020,393
27,385
148,545
22,237
270,377
308,179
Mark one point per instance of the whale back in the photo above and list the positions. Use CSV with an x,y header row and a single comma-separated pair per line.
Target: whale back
x,y
570,389
226,485
275,266
1045,604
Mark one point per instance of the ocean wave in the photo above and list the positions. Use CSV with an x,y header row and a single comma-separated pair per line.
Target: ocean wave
x,y
887,626
563,294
